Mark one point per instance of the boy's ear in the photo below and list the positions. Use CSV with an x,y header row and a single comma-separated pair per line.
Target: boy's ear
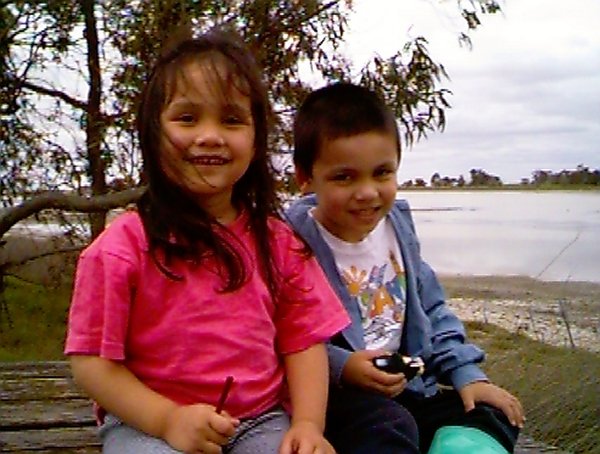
x,y
302,180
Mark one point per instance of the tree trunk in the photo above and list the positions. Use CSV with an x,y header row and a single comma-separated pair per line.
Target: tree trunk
x,y
94,125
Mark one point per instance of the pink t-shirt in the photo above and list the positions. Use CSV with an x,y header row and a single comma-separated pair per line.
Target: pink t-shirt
x,y
183,338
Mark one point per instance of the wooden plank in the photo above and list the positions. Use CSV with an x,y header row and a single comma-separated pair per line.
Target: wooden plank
x,y
38,388
22,369
43,410
82,440
43,414
527,445
85,440
82,450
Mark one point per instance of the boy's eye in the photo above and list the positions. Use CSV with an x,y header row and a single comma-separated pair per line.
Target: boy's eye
x,y
341,177
384,172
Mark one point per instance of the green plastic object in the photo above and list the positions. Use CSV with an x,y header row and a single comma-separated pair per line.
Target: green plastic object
x,y
464,440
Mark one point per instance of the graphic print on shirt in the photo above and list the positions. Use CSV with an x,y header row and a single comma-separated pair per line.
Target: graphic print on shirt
x,y
381,302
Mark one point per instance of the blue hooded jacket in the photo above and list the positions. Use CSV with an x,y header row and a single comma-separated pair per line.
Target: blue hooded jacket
x,y
430,329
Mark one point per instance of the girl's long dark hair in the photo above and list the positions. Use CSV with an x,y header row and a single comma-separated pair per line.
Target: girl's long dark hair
x,y
176,226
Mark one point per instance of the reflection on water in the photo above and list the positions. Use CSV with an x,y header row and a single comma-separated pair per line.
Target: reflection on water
x,y
551,235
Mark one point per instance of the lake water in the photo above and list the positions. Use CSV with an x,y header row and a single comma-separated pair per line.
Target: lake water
x,y
550,235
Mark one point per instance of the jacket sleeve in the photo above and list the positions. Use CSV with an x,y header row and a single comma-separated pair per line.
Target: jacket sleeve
x,y
454,360
337,360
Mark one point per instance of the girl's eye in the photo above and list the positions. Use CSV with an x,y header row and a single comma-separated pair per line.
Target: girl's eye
x,y
232,120
185,118
234,115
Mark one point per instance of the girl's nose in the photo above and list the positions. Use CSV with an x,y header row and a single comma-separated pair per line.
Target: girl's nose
x,y
209,138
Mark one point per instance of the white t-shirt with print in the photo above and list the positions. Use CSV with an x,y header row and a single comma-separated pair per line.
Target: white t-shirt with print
x,y
373,273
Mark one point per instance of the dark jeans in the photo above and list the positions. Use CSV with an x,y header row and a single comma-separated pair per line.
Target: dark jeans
x,y
446,409
360,422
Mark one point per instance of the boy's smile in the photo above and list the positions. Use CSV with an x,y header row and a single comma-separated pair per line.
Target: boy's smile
x,y
354,179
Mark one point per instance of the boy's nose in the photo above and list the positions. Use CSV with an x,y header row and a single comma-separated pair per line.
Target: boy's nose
x,y
365,192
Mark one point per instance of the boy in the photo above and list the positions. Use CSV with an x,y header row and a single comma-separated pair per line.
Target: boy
x,y
347,152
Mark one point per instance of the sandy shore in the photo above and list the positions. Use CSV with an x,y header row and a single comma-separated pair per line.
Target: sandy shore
x,y
558,313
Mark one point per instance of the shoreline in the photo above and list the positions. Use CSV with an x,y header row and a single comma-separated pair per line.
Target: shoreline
x,y
517,287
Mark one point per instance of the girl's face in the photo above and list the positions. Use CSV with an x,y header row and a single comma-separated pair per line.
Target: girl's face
x,y
207,139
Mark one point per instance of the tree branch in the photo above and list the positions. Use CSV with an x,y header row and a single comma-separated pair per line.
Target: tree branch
x,y
54,93
39,255
68,201
300,21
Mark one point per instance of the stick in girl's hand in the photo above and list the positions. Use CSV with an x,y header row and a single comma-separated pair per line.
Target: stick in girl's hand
x,y
224,393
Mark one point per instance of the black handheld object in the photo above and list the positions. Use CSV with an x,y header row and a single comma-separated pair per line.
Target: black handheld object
x,y
396,363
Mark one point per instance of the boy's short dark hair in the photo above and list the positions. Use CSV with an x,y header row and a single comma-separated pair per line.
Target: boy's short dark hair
x,y
335,111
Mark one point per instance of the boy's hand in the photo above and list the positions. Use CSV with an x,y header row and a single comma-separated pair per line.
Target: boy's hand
x,y
304,437
198,428
360,371
491,394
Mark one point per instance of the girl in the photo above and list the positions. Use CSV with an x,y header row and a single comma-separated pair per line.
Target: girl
x,y
204,281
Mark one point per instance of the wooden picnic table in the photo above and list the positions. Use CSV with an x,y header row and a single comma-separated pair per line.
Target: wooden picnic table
x,y
43,411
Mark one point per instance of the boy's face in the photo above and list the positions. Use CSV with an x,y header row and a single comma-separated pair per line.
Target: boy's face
x,y
354,179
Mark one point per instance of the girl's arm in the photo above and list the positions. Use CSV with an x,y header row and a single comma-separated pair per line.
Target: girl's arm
x,y
308,382
122,394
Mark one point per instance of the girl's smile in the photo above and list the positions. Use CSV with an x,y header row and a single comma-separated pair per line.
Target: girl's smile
x,y
208,160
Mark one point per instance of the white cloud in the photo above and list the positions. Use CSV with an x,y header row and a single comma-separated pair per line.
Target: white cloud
x,y
526,97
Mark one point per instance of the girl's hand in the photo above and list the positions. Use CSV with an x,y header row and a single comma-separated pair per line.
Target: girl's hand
x,y
304,437
360,371
495,396
198,428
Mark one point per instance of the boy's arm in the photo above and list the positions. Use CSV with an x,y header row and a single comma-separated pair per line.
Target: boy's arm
x,y
495,396
338,357
453,359
121,393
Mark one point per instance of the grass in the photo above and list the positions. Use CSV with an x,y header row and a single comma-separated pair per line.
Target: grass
x,y
33,321
559,387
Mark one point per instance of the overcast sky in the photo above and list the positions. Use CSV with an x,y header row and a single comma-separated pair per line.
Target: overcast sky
x,y
526,97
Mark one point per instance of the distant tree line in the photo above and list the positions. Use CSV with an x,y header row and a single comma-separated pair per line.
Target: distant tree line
x,y
582,175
